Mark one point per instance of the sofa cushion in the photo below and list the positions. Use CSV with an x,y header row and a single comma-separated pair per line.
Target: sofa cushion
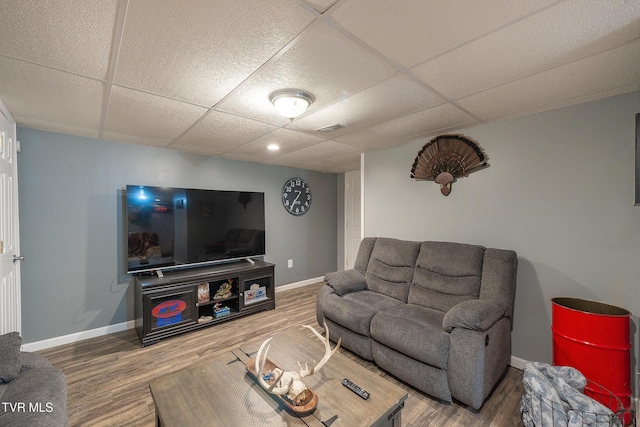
x,y
446,274
344,282
43,391
354,311
391,266
10,362
415,331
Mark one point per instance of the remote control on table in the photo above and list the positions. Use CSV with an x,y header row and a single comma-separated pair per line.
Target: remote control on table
x,y
355,388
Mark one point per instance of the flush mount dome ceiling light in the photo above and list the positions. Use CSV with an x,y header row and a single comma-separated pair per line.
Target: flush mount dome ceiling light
x,y
291,103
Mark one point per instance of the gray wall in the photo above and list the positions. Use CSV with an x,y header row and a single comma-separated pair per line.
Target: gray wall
x,y
71,223
559,191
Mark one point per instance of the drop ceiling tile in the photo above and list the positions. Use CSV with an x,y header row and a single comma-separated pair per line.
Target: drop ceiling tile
x,y
223,132
149,116
245,157
196,149
338,164
390,99
69,35
48,95
200,52
56,127
113,136
322,62
428,121
563,33
411,31
313,153
615,68
287,140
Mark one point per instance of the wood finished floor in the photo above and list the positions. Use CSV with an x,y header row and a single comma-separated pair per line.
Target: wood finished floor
x,y
108,377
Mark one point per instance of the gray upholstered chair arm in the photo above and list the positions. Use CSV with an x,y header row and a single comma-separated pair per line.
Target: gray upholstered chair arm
x,y
474,314
344,282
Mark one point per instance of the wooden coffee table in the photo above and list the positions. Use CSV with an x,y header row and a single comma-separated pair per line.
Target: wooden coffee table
x,y
221,393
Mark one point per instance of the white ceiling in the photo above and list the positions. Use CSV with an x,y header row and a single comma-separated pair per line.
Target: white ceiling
x,y
196,75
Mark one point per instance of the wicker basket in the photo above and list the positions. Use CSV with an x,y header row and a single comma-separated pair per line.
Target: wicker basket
x,y
535,404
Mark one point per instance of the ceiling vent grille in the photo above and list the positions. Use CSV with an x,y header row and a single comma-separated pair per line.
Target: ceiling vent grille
x,y
332,128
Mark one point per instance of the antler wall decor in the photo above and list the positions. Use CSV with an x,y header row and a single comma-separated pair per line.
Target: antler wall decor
x,y
289,383
447,157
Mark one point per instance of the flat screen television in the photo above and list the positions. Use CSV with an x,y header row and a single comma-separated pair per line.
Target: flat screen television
x,y
170,228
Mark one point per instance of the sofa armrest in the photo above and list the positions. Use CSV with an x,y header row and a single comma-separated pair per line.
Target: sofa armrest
x,y
473,314
344,282
31,360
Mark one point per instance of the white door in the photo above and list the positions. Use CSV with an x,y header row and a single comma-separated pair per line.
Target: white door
x,y
10,311
353,220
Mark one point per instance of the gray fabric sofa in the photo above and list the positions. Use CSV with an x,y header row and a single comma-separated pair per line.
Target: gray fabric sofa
x,y
32,392
436,315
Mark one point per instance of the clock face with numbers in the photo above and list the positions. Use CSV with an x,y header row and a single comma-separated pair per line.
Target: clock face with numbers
x,y
296,196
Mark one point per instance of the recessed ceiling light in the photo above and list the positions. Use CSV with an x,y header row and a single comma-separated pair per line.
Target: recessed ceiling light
x,y
291,103
273,147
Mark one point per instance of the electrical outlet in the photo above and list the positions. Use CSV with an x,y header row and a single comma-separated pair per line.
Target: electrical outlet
x,y
290,263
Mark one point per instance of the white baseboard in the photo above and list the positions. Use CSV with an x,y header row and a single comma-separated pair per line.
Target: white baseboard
x,y
78,336
299,284
110,329
518,363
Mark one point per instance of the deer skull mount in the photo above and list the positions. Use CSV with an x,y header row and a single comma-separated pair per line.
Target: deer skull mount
x,y
289,383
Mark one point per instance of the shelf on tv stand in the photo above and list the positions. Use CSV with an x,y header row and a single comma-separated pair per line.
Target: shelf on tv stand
x,y
217,300
169,305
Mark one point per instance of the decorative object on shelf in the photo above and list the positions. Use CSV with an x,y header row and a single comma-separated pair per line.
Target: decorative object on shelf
x,y
220,311
224,291
205,318
296,196
203,292
169,312
291,103
255,293
288,385
447,157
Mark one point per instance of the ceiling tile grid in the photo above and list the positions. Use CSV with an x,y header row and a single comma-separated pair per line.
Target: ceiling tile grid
x,y
50,95
201,50
197,77
69,35
287,141
557,35
223,132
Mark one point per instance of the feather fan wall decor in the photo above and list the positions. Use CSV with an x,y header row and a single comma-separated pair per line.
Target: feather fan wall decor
x,y
447,157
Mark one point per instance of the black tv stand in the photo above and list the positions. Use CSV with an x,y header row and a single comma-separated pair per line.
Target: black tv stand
x,y
188,299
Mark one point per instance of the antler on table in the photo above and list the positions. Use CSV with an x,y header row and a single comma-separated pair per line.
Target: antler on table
x,y
289,383
327,348
271,388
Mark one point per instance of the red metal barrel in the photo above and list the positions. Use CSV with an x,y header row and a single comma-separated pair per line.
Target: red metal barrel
x,y
594,338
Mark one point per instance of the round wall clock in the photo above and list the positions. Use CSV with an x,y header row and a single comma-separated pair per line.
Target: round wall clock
x,y
296,196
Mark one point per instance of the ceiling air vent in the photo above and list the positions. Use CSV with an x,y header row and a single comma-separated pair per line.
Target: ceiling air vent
x,y
332,128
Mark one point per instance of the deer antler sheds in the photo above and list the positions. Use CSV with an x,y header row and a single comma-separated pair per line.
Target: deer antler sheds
x,y
327,348
289,383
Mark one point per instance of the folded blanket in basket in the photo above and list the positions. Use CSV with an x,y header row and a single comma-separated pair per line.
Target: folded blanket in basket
x,y
553,397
